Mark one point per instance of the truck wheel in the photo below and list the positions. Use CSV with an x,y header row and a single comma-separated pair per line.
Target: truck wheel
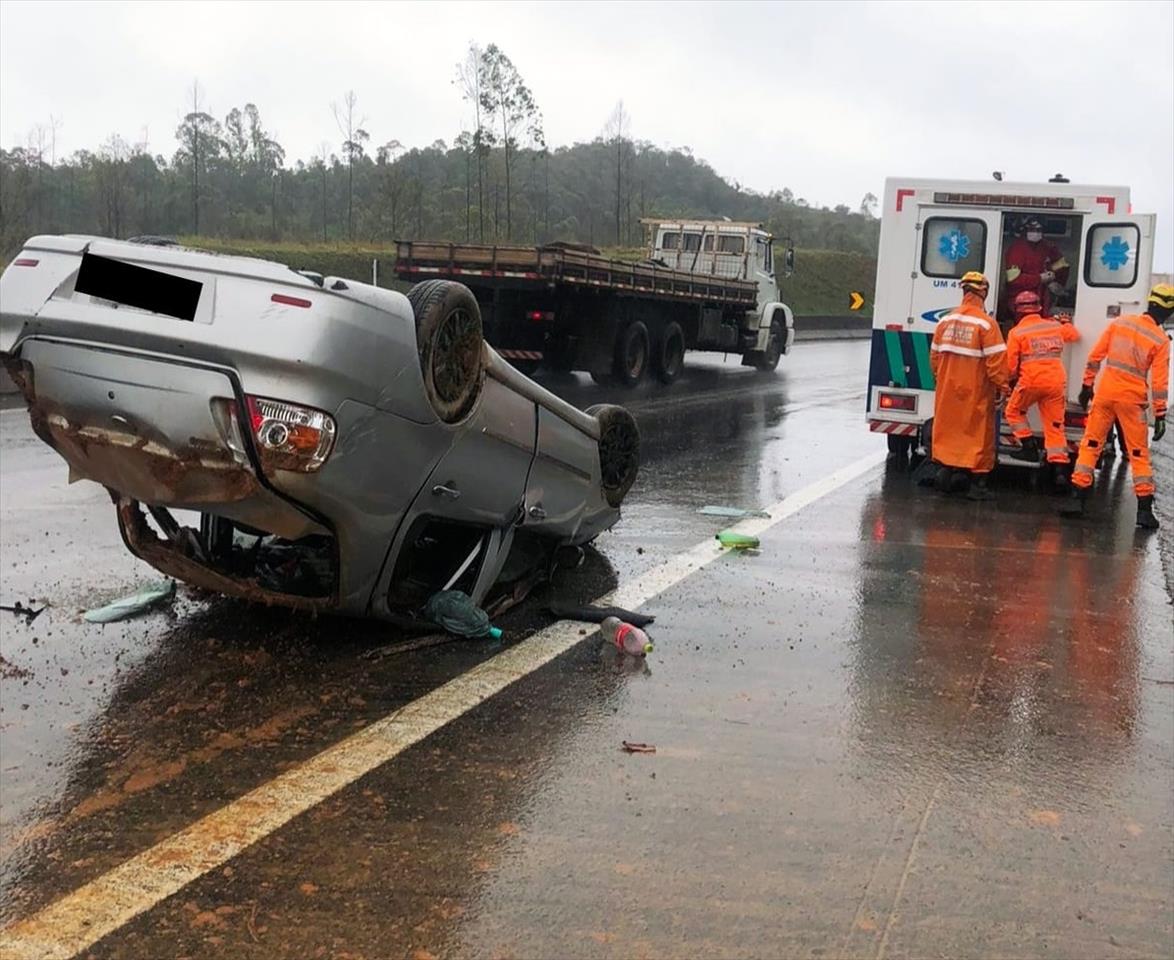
x,y
631,357
768,359
670,354
619,450
450,344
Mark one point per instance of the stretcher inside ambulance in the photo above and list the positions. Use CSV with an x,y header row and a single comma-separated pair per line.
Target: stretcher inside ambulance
x,y
1080,247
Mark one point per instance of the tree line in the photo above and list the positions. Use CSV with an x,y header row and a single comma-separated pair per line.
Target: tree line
x,y
497,181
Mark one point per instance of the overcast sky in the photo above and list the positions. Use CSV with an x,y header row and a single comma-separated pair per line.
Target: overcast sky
x,y
825,98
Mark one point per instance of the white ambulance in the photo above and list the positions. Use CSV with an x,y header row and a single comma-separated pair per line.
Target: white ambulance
x,y
934,231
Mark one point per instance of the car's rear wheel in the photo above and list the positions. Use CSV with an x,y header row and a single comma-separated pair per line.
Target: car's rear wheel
x,y
619,450
670,355
451,346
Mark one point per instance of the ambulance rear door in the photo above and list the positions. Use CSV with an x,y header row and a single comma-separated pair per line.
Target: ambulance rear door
x,y
1116,256
950,243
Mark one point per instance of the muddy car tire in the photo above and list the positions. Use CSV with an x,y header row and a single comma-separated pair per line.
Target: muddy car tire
x,y
670,353
631,354
619,450
451,346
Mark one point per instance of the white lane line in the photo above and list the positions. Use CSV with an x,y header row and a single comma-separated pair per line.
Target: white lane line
x,y
79,919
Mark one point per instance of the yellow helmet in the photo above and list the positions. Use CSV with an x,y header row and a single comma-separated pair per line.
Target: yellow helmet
x,y
974,278
1162,296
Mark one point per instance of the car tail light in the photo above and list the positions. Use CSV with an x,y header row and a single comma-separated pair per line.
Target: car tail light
x,y
290,437
1075,418
25,262
898,401
539,315
287,436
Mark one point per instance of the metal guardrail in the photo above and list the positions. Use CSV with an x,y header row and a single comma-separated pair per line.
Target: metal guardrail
x,y
833,328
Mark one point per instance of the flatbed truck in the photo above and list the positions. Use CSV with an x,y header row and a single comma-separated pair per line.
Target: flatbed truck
x,y
705,285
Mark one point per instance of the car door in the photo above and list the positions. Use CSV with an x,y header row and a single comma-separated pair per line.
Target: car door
x,y
482,478
1115,258
556,493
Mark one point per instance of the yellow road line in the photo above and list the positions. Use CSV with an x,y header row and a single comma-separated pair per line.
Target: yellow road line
x,y
81,918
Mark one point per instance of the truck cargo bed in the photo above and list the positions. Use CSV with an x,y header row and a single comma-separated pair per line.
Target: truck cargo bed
x,y
518,266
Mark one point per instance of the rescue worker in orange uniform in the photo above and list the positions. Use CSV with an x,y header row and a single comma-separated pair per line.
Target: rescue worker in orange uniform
x,y
969,361
1035,347
1035,265
1131,348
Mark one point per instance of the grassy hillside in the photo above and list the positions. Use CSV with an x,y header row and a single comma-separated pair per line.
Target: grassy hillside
x,y
820,286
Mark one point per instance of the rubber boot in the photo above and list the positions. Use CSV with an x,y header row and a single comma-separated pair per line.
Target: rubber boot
x,y
1073,509
944,481
1028,450
1145,514
979,490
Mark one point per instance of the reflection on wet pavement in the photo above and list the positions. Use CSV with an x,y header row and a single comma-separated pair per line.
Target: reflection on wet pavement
x,y
907,726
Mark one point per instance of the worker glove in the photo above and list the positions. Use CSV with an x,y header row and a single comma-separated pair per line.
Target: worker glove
x,y
1047,277
1085,397
1159,427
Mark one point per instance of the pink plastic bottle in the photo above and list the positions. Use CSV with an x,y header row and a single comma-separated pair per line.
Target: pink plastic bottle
x,y
627,638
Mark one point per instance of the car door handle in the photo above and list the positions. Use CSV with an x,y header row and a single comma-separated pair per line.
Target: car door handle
x,y
441,490
537,513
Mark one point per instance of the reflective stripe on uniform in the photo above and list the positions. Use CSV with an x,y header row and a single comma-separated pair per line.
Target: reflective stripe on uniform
x,y
993,349
964,318
1146,332
1126,367
951,348
1082,468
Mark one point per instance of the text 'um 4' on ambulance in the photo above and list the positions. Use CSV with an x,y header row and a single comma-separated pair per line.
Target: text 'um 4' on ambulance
x,y
933,232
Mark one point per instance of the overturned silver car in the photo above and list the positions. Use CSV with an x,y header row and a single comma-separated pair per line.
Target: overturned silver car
x,y
347,448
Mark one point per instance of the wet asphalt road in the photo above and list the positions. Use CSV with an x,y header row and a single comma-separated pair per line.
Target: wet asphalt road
x,y
907,726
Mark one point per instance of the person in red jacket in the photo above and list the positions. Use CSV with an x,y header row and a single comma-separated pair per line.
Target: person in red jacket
x,y
1035,351
1035,265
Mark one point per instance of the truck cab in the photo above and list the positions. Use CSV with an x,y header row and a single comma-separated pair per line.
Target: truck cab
x,y
934,231
729,248
722,248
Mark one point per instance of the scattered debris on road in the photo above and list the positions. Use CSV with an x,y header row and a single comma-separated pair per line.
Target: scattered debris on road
x,y
135,603
732,513
737,541
407,646
21,610
629,747
10,671
593,614
627,638
455,611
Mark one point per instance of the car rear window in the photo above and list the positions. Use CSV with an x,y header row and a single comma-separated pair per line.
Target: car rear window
x,y
139,287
